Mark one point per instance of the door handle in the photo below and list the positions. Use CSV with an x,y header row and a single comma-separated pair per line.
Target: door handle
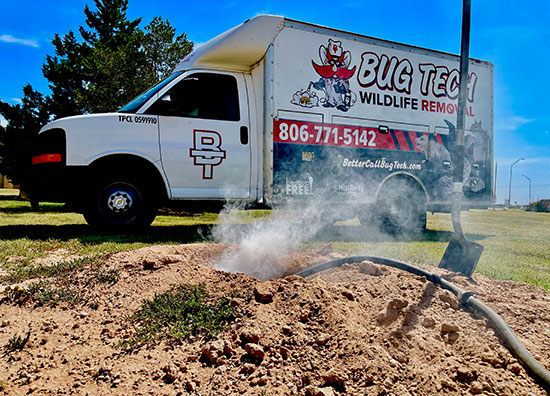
x,y
244,135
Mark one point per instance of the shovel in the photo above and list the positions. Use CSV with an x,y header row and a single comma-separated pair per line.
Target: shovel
x,y
461,254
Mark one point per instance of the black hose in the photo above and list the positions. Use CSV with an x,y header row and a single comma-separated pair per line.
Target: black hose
x,y
467,299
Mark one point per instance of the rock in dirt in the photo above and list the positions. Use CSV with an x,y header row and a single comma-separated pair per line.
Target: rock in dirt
x,y
213,350
349,295
314,391
476,388
366,267
263,294
325,392
515,368
250,335
171,372
449,328
322,339
449,332
428,322
335,376
449,298
248,368
255,350
397,304
393,310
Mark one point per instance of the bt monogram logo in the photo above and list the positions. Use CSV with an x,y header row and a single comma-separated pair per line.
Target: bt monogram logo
x,y
207,151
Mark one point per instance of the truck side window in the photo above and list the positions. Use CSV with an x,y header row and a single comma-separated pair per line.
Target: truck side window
x,y
201,95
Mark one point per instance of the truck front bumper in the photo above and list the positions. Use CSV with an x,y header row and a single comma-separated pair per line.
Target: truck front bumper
x,y
54,183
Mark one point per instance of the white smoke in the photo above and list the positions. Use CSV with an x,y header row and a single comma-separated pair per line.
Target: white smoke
x,y
259,247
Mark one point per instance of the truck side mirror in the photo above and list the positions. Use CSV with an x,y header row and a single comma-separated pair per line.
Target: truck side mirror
x,y
166,98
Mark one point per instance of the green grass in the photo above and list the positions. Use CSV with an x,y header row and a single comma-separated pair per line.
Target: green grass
x,y
515,242
17,342
183,311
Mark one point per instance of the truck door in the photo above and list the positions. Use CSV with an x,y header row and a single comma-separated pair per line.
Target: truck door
x,y
204,136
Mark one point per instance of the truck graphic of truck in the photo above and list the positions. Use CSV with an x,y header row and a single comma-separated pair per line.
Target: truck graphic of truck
x,y
277,111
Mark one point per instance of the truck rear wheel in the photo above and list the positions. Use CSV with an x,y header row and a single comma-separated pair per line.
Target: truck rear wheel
x,y
120,202
401,208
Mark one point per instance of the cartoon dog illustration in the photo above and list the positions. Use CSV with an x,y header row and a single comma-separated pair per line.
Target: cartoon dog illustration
x,y
477,143
472,181
432,148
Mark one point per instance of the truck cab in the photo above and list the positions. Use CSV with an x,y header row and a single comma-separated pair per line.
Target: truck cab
x,y
187,138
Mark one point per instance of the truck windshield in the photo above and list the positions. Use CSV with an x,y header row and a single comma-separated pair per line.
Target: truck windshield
x,y
135,104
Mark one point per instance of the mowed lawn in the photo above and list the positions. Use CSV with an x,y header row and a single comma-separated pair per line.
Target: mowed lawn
x,y
516,243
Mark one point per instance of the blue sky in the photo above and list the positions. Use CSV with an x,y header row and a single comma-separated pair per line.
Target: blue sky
x,y
514,36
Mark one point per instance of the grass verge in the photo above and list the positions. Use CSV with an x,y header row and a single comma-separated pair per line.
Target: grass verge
x,y
514,241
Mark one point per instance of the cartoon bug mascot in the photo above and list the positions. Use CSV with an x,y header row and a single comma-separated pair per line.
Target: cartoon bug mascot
x,y
334,82
335,75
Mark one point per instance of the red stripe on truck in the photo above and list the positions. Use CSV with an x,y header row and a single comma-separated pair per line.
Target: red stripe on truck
x,y
402,140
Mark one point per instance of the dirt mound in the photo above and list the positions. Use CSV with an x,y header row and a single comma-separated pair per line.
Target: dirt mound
x,y
361,329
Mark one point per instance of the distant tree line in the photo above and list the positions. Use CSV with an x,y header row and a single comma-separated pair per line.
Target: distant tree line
x,y
113,62
542,205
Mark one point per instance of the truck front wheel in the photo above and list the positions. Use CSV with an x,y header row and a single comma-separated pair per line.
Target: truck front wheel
x,y
120,203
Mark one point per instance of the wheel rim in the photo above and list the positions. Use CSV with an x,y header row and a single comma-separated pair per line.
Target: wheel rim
x,y
400,211
120,203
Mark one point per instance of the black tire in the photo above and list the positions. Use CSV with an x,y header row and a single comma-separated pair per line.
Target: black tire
x,y
120,203
401,208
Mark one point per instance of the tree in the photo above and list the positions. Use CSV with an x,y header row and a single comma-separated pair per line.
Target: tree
x,y
23,122
114,62
66,75
109,24
162,51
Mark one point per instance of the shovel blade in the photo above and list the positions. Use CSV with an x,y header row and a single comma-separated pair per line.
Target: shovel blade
x,y
461,256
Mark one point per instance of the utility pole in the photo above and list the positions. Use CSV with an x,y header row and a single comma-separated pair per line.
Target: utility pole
x,y
529,188
510,186
495,183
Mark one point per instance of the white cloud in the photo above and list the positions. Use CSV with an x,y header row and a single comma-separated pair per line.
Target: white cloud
x,y
8,38
511,123
17,100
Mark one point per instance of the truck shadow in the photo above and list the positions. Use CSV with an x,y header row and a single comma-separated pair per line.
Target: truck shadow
x,y
344,233
174,234
85,234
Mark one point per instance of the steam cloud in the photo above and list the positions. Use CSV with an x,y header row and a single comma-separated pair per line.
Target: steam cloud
x,y
258,247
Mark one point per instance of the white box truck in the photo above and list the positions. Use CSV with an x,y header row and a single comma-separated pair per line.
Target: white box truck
x,y
279,111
